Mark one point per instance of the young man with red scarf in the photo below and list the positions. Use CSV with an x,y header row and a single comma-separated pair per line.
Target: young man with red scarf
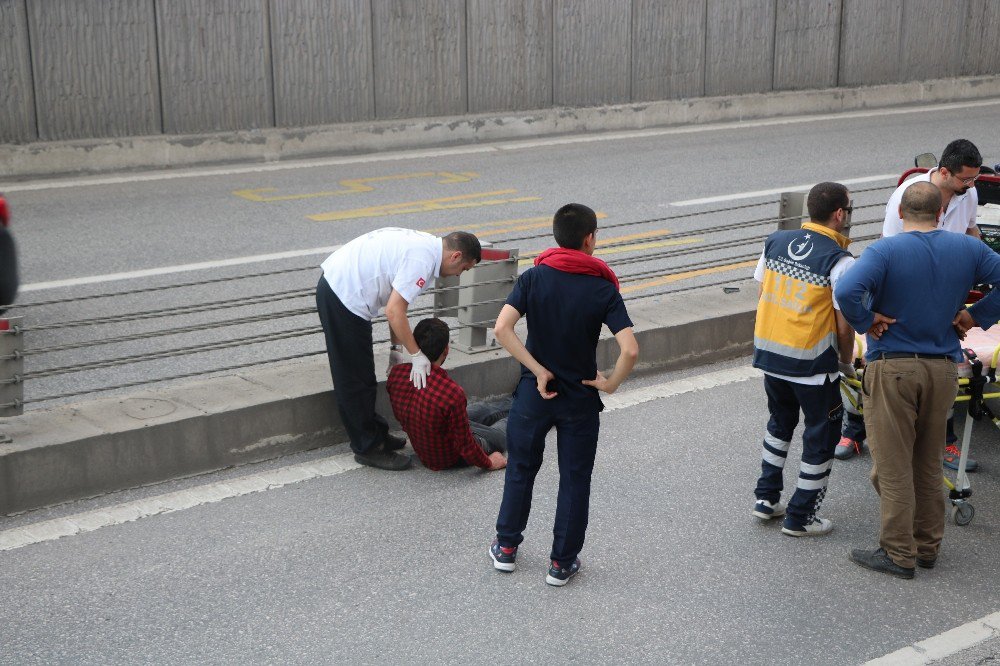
x,y
567,297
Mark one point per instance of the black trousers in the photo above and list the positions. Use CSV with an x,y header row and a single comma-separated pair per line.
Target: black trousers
x,y
352,365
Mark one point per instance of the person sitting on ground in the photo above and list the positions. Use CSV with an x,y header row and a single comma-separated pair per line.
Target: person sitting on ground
x,y
436,418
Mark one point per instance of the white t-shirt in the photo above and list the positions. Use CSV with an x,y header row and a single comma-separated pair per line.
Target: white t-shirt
x,y
364,272
959,218
836,273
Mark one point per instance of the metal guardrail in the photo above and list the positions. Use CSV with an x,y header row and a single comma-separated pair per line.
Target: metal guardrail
x,y
474,299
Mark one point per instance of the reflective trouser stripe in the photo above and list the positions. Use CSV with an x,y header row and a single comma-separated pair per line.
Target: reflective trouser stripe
x,y
774,451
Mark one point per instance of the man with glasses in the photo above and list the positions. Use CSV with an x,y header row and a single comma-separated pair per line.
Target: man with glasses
x,y
955,177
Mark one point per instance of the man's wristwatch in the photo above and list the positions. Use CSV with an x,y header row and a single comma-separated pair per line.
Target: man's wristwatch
x,y
397,347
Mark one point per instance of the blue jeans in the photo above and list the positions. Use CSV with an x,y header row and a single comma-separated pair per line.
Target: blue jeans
x,y
530,420
822,408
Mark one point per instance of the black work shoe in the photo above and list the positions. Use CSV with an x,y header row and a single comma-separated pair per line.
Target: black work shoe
x,y
393,443
559,575
879,560
926,562
383,459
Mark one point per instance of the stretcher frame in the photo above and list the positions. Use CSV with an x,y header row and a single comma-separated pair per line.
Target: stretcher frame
x,y
972,392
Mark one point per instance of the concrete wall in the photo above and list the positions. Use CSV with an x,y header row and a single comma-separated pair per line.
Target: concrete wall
x,y
86,69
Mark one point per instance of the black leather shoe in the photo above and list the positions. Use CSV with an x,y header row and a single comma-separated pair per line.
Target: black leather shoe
x,y
926,562
393,443
383,460
879,560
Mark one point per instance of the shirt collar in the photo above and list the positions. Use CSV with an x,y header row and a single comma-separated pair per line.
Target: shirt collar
x,y
841,240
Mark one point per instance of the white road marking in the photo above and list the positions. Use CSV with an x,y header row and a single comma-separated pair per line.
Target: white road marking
x,y
89,521
481,148
181,268
700,382
944,644
177,501
779,190
173,174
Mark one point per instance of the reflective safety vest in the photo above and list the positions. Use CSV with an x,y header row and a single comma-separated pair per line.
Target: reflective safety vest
x,y
796,329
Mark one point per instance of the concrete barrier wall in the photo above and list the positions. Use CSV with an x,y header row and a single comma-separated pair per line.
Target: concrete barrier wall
x,y
86,69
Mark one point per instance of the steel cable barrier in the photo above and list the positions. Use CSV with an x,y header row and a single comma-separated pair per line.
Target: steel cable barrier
x,y
49,353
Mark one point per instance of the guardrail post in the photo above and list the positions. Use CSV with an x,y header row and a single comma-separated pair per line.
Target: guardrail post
x,y
792,210
11,368
479,298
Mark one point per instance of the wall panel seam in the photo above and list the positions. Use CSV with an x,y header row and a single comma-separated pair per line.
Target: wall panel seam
x,y
31,71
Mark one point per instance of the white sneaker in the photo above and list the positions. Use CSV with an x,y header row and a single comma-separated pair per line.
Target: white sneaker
x,y
766,511
815,527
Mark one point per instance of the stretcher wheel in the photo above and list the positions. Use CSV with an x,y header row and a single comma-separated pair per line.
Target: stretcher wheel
x,y
962,514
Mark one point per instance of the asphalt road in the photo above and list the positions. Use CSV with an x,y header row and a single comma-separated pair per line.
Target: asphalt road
x,y
374,567
99,228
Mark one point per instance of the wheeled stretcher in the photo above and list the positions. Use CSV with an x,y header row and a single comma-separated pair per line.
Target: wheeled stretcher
x,y
977,383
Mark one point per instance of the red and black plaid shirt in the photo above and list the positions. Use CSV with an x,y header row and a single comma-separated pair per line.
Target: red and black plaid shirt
x,y
434,418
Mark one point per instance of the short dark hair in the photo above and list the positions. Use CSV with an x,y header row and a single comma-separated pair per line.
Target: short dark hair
x,y
960,153
572,224
432,337
465,243
920,203
825,199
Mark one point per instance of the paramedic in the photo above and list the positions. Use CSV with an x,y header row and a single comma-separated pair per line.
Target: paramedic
x,y
800,342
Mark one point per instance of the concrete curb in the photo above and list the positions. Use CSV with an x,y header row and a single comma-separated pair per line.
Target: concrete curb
x,y
269,145
90,448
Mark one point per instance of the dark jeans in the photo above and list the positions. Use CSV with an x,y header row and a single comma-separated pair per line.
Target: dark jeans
x,y
822,408
576,441
488,421
352,365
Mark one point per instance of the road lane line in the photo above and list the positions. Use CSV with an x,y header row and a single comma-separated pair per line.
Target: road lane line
x,y
483,148
943,645
89,521
423,206
702,382
667,279
779,190
353,186
182,268
234,171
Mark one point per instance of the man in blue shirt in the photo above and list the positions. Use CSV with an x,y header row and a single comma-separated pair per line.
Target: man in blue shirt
x,y
567,297
917,280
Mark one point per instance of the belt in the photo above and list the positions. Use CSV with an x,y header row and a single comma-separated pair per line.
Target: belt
x,y
885,356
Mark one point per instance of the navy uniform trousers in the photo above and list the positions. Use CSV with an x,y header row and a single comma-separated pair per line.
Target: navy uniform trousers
x,y
822,410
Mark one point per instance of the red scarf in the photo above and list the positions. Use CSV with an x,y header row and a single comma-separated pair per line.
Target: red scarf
x,y
574,261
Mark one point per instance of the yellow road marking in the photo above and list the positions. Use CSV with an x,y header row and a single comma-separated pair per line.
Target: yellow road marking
x,y
518,224
423,206
356,185
499,223
666,279
528,257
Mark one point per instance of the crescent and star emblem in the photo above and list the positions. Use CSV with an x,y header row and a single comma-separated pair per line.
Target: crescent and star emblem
x,y
799,250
